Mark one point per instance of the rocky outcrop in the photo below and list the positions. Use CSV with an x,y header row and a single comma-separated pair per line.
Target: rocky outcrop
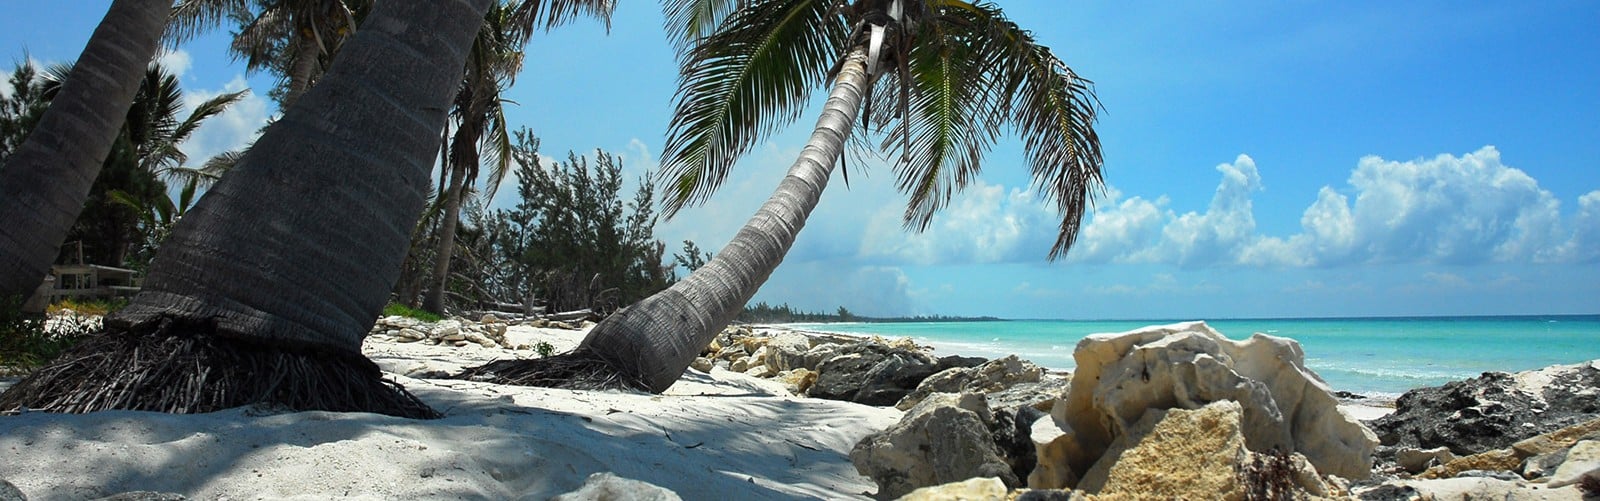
x,y
1493,410
488,333
974,489
872,374
945,438
993,378
1284,405
1547,466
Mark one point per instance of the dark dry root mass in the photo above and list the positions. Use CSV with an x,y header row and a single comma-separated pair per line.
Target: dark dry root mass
x,y
182,367
579,369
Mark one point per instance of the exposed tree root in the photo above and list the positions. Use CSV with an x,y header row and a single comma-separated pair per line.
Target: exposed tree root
x,y
579,369
182,367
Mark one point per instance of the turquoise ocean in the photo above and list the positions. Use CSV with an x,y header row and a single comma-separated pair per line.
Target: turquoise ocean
x,y
1381,357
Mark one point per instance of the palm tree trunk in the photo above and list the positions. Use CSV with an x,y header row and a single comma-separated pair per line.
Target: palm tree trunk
x,y
463,156
434,301
305,63
44,184
654,340
274,277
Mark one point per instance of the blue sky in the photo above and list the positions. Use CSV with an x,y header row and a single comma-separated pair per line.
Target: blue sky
x,y
1263,159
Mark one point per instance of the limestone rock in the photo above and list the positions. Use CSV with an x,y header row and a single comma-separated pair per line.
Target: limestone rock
x,y
1494,410
489,318
1285,406
701,364
446,329
974,489
872,374
944,439
609,487
1582,461
1054,450
1466,488
798,381
1175,453
1498,459
989,377
1417,460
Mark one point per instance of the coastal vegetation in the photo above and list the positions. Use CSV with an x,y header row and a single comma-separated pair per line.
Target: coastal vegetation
x,y
763,313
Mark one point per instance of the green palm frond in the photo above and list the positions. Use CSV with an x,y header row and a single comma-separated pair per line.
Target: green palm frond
x,y
532,15
687,21
258,41
497,149
945,115
205,110
190,18
748,78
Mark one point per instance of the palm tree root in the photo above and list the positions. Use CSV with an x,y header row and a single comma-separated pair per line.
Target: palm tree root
x,y
182,367
580,369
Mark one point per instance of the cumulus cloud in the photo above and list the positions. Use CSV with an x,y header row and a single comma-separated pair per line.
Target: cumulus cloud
x,y
1454,210
865,290
985,224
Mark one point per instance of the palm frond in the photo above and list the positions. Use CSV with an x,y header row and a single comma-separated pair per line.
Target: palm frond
x,y
190,18
532,15
741,83
687,21
205,110
945,118
1049,106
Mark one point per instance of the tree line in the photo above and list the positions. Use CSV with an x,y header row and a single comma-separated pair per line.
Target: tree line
x,y
265,288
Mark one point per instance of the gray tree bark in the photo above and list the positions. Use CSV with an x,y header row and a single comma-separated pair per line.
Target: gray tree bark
x,y
655,339
299,245
44,184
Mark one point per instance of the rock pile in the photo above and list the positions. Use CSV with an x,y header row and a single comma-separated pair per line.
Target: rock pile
x,y
1491,411
488,332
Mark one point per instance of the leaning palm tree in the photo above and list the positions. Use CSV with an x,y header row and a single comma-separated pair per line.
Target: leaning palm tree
x,y
948,76
43,184
267,286
480,133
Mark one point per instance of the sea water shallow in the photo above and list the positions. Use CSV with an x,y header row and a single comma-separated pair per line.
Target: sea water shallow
x,y
1373,356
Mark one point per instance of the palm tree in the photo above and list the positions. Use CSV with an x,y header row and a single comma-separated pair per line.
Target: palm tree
x,y
267,286
480,131
295,38
146,149
45,181
949,75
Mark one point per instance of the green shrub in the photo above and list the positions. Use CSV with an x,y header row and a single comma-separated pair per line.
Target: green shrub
x,y
25,345
397,309
545,349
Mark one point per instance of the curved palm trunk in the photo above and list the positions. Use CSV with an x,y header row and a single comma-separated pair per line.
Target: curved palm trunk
x,y
287,261
654,340
305,63
44,184
463,156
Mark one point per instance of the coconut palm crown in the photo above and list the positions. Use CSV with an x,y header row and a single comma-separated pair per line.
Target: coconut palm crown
x,y
946,78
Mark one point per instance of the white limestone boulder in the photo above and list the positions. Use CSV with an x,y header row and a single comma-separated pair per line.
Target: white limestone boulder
x,y
1285,406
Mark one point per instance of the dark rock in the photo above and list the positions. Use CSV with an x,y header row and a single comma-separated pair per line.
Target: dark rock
x,y
1349,396
1390,492
1489,412
872,374
945,438
1013,437
1497,475
954,361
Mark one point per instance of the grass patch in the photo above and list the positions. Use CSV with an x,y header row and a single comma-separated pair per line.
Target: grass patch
x,y
90,307
397,309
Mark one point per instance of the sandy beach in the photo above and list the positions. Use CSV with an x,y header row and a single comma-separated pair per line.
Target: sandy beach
x,y
721,435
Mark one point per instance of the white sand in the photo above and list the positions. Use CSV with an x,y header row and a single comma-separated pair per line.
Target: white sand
x,y
717,436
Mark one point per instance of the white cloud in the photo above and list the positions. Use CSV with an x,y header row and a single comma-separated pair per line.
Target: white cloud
x,y
232,129
177,62
865,290
1215,237
1584,245
984,224
1453,210
1113,234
